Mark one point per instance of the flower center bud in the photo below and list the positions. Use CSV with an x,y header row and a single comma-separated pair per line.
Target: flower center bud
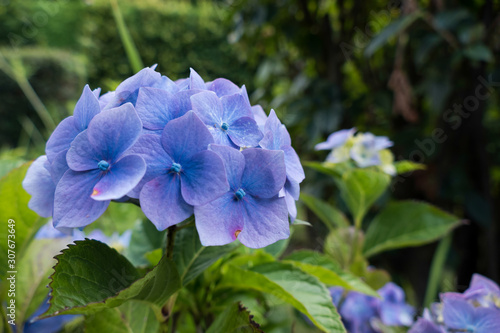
x,y
239,194
176,167
103,165
224,126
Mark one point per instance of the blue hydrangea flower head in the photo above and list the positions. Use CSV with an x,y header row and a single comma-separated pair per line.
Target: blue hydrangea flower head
x,y
276,137
393,309
357,311
229,119
251,210
100,171
181,172
86,109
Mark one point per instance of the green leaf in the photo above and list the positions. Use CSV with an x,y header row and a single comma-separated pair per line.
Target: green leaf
x,y
408,166
235,318
329,215
145,239
291,285
191,257
277,248
359,188
107,320
479,52
118,218
14,206
339,246
330,169
327,271
393,29
407,223
90,276
450,19
140,317
33,274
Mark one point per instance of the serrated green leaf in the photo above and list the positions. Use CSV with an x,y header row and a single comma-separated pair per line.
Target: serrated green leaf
x,y
235,318
33,274
14,205
145,239
407,223
90,276
107,320
359,188
191,257
327,271
329,215
393,29
291,285
140,317
408,166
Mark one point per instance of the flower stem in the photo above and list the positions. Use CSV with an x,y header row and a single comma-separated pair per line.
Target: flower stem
x,y
170,241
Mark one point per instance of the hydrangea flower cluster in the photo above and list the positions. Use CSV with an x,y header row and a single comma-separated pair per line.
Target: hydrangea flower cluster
x,y
365,149
178,148
476,310
363,314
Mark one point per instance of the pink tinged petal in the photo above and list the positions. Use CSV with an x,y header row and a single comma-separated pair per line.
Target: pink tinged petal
x,y
82,156
264,175
149,147
244,132
203,178
86,108
234,163
114,131
235,106
223,87
73,206
156,108
219,221
185,136
162,202
120,179
208,107
195,80
61,138
294,170
266,221
39,184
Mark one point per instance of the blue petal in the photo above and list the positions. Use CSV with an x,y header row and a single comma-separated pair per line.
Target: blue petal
x,y
195,80
203,178
290,204
272,133
487,320
266,221
184,101
114,131
234,163
58,167
86,108
156,108
185,136
294,170
260,116
218,221
61,138
166,84
244,132
120,179
264,174
393,293
39,184
220,137
223,87
82,156
336,139
208,107
426,326
235,106
162,202
73,206
457,312
149,147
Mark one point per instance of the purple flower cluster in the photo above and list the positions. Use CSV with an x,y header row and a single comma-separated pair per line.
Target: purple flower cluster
x,y
476,310
180,148
361,313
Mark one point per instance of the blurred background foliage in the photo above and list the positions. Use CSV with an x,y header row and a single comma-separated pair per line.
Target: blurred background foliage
x,y
423,73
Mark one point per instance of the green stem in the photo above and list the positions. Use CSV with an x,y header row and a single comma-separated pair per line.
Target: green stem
x,y
169,250
436,271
